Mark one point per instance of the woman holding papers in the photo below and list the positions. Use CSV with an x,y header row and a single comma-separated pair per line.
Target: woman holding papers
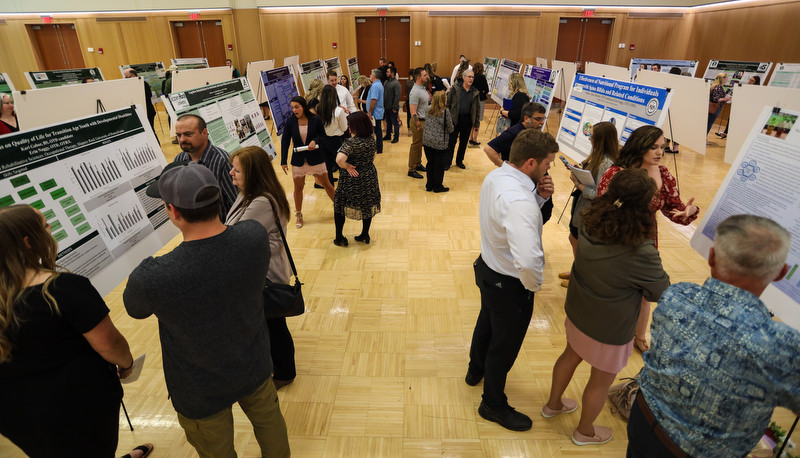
x,y
644,150
61,357
605,151
616,264
518,92
262,198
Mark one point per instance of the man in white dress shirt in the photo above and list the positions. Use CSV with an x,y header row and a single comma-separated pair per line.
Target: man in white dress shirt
x,y
509,270
345,97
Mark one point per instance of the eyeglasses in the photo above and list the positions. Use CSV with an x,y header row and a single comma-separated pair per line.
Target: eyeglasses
x,y
540,119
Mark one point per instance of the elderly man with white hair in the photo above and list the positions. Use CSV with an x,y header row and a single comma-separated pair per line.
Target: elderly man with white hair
x,y
719,364
463,101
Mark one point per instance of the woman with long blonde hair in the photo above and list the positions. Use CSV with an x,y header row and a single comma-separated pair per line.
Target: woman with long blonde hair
x,y
435,138
519,96
61,357
716,99
313,94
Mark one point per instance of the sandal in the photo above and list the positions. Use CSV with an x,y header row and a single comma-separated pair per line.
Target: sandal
x,y
299,217
641,343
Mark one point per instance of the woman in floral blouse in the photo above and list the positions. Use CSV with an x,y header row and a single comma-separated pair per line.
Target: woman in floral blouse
x,y
718,97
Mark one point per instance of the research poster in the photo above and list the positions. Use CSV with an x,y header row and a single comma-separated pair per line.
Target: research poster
x,y
231,112
6,87
154,73
54,78
786,75
763,181
333,64
593,99
189,63
88,178
541,62
352,68
666,65
541,83
738,72
311,71
280,87
504,72
490,69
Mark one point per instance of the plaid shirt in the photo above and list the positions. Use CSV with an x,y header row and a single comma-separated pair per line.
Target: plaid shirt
x,y
216,160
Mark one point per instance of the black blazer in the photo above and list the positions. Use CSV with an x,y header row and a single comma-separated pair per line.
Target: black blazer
x,y
291,133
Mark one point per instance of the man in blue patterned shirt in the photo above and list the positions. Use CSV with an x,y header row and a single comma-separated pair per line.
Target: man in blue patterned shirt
x,y
719,365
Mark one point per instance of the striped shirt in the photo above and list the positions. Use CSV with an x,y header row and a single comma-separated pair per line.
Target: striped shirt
x,y
216,160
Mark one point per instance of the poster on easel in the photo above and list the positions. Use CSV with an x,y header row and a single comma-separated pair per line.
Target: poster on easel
x,y
88,178
189,63
310,71
542,84
593,99
785,75
504,71
763,182
490,70
54,78
154,73
231,113
738,72
661,65
352,69
280,86
333,64
6,86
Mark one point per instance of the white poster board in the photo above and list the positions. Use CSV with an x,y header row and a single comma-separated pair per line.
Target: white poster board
x,y
608,71
785,75
568,72
58,104
6,86
763,182
190,79
541,62
745,107
490,65
666,65
54,78
333,64
687,110
280,86
738,72
254,70
190,63
542,84
352,69
293,62
504,71
88,177
231,113
593,99
310,71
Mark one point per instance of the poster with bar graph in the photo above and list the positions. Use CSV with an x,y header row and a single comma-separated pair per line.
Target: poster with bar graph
x,y
88,178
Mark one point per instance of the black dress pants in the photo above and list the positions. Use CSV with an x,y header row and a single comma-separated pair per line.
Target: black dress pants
x,y
506,311
437,161
461,134
281,348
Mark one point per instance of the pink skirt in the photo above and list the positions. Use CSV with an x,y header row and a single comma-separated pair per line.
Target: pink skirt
x,y
307,169
606,357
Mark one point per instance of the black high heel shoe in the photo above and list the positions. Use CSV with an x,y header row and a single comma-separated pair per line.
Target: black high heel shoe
x,y
340,242
362,238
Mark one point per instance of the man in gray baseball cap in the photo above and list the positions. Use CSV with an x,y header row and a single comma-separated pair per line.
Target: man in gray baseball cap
x,y
206,294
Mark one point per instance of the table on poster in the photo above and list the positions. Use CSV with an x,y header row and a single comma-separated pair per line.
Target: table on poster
x,y
738,72
352,68
504,71
541,84
490,69
189,63
310,71
6,87
153,72
280,87
763,182
665,64
88,178
231,113
54,78
785,75
593,99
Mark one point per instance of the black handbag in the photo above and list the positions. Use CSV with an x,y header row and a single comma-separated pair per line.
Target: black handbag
x,y
282,300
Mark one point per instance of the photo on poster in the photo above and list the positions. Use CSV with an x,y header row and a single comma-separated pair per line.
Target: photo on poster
x,y
779,125
504,71
54,78
154,73
231,112
311,71
279,85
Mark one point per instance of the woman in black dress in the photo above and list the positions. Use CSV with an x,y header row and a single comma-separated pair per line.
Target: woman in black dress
x,y
358,195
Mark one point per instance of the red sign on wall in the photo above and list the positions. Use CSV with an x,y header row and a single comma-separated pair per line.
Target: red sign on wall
x,y
194,16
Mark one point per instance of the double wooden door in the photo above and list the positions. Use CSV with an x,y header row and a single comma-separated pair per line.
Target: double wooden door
x,y
388,37
583,40
57,46
200,39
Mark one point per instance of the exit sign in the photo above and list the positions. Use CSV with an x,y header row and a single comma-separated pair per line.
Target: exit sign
x,y
194,16
383,11
588,13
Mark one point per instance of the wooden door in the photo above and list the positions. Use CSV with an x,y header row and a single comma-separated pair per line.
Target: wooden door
x,y
388,37
569,39
200,39
369,40
57,46
583,40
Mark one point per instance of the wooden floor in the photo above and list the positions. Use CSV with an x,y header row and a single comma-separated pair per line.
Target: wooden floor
x,y
383,348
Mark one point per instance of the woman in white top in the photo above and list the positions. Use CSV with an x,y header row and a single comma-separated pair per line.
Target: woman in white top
x,y
334,119
260,197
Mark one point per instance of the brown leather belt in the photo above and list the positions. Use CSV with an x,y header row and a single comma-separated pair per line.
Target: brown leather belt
x,y
657,430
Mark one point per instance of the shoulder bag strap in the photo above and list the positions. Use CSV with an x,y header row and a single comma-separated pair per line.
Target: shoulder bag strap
x,y
283,238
